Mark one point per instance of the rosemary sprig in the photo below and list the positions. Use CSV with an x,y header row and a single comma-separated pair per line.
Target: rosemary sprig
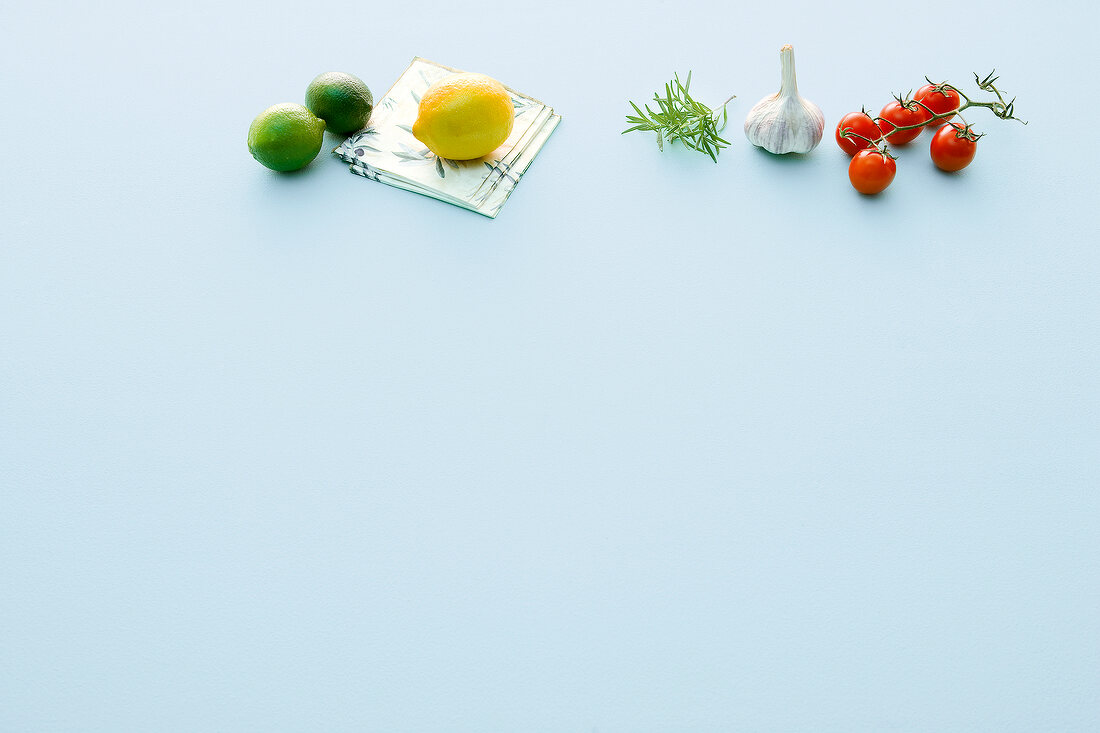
x,y
679,117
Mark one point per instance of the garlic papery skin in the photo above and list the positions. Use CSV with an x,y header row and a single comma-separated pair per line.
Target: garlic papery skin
x,y
785,122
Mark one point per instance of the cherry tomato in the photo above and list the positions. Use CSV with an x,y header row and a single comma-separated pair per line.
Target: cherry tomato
x,y
954,147
940,99
860,123
871,171
895,114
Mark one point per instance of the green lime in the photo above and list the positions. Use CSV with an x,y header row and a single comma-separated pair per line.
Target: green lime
x,y
343,101
286,137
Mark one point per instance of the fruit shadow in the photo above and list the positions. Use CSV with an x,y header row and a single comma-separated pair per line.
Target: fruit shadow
x,y
294,178
950,175
282,178
783,158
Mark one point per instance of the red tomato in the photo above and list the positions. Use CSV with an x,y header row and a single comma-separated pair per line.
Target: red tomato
x,y
896,115
871,171
860,123
938,99
954,147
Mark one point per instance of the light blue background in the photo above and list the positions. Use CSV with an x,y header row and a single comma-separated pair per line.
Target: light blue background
x,y
669,446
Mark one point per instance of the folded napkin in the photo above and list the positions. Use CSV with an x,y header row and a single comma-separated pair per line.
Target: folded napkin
x,y
386,150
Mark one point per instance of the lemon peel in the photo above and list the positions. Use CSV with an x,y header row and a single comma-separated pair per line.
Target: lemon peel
x,y
464,116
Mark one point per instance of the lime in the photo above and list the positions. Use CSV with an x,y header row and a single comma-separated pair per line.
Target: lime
x,y
286,137
343,101
464,116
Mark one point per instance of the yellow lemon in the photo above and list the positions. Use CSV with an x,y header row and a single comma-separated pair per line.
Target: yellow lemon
x,y
464,116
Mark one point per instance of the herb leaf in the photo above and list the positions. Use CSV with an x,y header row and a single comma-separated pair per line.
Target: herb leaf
x,y
680,117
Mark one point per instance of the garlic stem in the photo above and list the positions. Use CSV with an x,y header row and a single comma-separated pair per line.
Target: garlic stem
x,y
789,83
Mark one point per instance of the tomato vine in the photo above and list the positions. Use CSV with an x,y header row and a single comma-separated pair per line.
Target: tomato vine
x,y
902,120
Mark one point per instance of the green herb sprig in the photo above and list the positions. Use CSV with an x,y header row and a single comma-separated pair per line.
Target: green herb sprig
x,y
679,117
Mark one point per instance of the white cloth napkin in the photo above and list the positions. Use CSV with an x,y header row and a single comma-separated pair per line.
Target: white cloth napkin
x,y
386,150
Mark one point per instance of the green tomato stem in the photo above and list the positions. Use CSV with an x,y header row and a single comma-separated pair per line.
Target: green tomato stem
x,y
1000,108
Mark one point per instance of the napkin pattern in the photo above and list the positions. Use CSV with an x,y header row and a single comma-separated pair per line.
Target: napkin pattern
x,y
387,152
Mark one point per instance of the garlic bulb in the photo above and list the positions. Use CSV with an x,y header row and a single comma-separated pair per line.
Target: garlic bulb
x,y
785,122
